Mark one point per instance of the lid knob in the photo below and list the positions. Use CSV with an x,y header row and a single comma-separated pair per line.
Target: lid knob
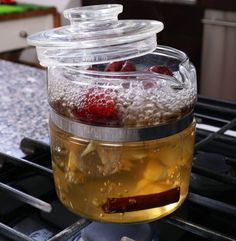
x,y
96,14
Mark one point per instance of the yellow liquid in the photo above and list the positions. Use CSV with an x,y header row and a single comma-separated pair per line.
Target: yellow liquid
x,y
86,173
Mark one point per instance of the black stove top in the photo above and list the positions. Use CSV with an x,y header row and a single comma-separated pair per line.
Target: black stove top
x,y
27,192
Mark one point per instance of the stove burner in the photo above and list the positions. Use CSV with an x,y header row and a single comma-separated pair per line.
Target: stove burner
x,y
116,232
41,235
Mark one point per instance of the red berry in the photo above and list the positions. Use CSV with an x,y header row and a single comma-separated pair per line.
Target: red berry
x,y
97,106
114,66
161,70
128,67
120,66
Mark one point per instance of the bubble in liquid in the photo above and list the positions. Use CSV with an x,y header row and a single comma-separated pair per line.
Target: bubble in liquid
x,y
153,105
59,153
57,149
95,202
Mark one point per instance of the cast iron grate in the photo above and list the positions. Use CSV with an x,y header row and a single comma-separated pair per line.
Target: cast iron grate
x,y
209,111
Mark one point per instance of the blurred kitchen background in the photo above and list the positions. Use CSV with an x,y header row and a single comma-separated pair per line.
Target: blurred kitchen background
x,y
204,29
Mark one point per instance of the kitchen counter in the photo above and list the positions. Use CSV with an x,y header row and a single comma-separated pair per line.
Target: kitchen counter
x,y
23,108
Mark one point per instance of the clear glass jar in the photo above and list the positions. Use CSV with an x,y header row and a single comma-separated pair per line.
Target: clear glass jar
x,y
121,119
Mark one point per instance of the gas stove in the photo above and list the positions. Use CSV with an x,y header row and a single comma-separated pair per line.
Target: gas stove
x,y
30,209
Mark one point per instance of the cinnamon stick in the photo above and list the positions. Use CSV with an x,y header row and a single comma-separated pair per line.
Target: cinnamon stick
x,y
141,202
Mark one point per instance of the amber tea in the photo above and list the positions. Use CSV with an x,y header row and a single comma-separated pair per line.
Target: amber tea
x,y
90,173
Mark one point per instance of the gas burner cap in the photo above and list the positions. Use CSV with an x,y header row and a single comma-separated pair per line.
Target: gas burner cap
x,y
41,235
116,232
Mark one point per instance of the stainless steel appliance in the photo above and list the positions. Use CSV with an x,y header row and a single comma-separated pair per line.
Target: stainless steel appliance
x,y
219,54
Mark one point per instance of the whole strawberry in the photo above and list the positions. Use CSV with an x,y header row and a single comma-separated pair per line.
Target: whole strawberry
x,y
97,106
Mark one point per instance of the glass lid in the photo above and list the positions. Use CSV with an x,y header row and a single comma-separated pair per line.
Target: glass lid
x,y
95,35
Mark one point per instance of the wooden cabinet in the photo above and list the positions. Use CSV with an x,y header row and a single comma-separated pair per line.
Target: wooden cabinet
x,y
15,27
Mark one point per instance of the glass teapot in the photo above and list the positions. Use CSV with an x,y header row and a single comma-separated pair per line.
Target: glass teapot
x,y
121,116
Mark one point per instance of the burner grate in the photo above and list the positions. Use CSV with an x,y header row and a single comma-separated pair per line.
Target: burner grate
x,y
199,230
37,162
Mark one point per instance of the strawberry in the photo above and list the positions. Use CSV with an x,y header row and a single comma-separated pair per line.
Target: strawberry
x,y
160,69
120,66
128,67
97,106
